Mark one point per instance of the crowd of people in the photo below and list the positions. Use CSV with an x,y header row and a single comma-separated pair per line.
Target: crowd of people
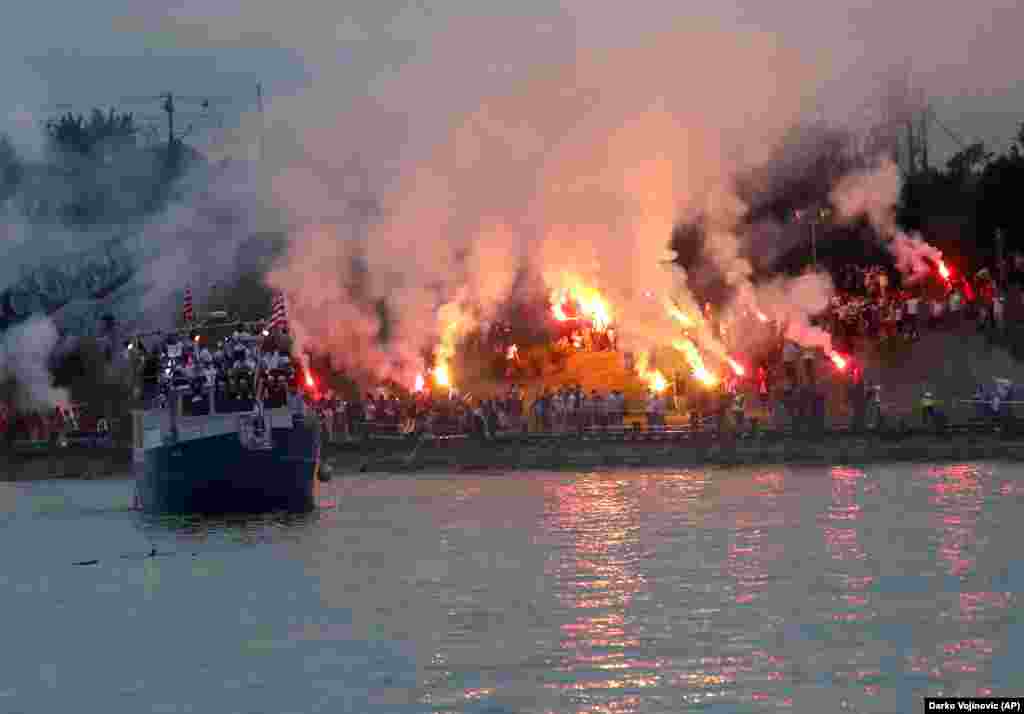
x,y
235,372
877,311
868,305
566,409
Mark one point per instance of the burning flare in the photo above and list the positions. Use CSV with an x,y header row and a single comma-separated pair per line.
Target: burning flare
x,y
445,352
587,302
677,314
656,381
441,376
943,270
737,368
420,384
700,371
838,360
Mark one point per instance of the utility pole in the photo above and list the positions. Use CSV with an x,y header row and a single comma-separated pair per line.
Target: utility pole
x,y
922,134
169,108
1000,264
814,242
259,104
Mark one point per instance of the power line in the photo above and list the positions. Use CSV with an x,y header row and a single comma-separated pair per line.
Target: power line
x,y
952,134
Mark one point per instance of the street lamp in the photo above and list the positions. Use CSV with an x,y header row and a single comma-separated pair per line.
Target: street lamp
x,y
814,219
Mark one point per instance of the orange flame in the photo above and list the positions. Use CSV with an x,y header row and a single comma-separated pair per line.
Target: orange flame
x,y
588,301
678,315
696,362
656,381
445,351
737,368
441,376
420,383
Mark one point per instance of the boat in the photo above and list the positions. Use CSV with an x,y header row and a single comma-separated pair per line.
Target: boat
x,y
196,452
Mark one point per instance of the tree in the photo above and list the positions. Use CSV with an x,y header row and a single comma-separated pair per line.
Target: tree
x,y
76,134
969,162
99,174
11,169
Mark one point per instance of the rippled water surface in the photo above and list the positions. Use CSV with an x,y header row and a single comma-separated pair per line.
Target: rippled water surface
x,y
804,590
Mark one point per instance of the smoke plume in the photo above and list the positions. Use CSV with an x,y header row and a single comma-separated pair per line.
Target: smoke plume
x,y
874,194
24,360
582,169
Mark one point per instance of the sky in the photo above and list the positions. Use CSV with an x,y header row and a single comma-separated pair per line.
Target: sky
x,y
114,52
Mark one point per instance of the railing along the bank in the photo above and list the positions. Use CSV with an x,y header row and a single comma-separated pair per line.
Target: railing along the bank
x,y
708,428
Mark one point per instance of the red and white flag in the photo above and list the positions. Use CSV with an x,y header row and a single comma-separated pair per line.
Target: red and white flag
x,y
278,313
187,312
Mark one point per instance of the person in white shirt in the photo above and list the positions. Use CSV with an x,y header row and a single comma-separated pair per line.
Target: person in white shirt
x,y
938,308
653,414
174,349
910,319
790,354
559,411
955,303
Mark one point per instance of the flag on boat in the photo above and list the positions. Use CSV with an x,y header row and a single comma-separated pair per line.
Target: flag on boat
x,y
278,313
187,312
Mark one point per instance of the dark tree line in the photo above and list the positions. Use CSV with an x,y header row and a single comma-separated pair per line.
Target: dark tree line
x,y
969,201
94,172
960,207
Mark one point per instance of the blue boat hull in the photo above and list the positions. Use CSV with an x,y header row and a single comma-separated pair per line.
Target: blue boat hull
x,y
217,475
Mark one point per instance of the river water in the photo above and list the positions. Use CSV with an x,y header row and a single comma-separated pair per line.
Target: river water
x,y
803,590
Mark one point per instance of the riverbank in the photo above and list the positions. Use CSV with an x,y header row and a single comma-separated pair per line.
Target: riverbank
x,y
572,453
54,462
565,453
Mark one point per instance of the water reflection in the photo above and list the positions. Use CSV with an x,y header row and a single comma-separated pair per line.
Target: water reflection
x,y
803,589
961,666
597,580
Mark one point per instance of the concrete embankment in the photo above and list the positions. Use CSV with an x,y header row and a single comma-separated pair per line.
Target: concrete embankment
x,y
53,462
568,453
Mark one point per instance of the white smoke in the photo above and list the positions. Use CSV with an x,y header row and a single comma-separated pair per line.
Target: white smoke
x,y
25,353
792,300
874,194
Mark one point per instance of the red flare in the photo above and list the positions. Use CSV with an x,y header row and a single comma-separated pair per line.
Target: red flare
x,y
943,270
968,291
737,368
310,382
838,360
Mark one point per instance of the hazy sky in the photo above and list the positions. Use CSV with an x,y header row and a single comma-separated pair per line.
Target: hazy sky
x,y
967,55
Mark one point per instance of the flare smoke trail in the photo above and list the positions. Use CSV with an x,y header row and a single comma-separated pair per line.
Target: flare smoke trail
x,y
24,356
874,194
